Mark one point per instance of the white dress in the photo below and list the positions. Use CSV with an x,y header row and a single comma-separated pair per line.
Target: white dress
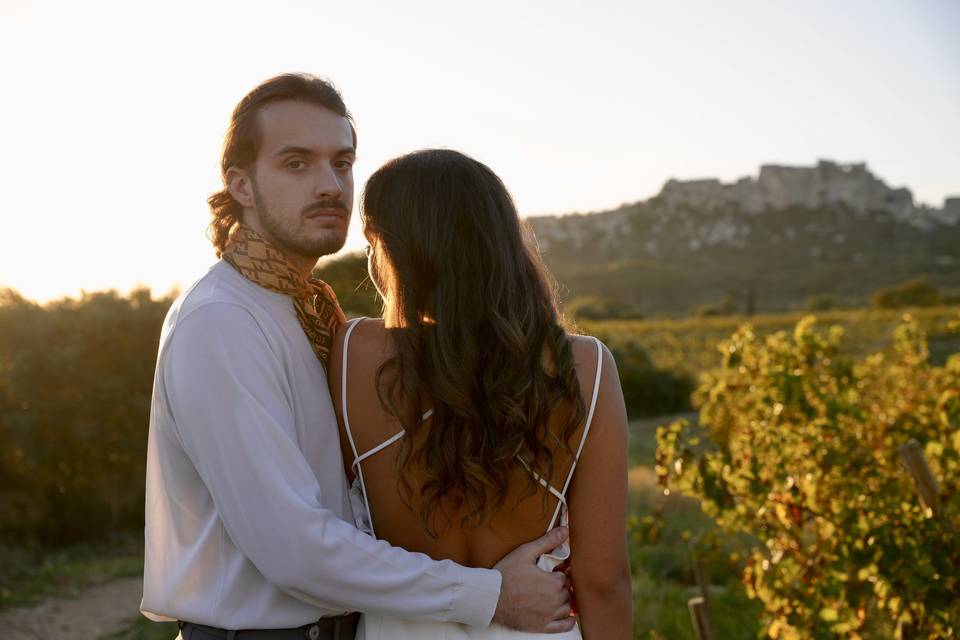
x,y
382,627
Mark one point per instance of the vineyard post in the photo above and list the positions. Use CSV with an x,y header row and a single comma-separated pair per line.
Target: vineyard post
x,y
700,619
927,486
701,613
906,631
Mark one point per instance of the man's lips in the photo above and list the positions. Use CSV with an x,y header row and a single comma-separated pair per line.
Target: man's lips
x,y
326,213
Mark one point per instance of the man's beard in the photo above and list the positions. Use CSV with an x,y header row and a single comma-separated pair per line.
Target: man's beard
x,y
287,235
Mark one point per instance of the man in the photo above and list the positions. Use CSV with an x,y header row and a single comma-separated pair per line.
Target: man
x,y
247,501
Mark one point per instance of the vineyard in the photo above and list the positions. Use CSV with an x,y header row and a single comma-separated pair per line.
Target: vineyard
x,y
804,458
692,345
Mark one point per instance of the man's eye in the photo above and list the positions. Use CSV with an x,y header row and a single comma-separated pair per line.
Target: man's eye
x,y
296,164
343,164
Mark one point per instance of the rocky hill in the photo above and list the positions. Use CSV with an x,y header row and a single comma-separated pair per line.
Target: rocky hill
x,y
769,242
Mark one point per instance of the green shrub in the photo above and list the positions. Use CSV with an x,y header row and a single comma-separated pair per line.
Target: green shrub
x,y
726,306
647,390
822,302
807,462
600,308
75,384
915,293
348,277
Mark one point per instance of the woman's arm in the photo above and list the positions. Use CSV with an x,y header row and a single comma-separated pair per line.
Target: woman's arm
x,y
600,567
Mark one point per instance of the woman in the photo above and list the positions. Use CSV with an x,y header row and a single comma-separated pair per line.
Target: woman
x,y
464,409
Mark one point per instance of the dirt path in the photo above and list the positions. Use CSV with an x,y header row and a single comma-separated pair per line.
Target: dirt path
x,y
95,612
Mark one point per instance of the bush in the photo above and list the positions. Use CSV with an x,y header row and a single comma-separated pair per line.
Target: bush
x,y
726,306
950,296
75,384
822,302
915,293
647,390
348,277
600,308
807,461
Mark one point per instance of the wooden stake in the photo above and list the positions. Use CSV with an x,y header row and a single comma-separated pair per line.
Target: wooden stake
x,y
699,618
704,594
927,486
905,631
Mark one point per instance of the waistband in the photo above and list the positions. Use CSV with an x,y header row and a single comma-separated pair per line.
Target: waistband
x,y
333,628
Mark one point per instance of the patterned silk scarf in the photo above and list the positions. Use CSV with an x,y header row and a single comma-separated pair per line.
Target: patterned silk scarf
x,y
317,308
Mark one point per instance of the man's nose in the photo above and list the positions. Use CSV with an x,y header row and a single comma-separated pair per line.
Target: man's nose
x,y
328,184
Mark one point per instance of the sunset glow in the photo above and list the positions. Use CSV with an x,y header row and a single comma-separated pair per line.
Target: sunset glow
x,y
114,112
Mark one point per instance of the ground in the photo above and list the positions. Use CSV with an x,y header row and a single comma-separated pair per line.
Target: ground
x,y
100,611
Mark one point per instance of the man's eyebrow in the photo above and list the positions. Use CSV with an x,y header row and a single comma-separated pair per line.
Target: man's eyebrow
x,y
293,149
304,151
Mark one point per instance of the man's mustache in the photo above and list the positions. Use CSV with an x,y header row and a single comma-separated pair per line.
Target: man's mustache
x,y
327,204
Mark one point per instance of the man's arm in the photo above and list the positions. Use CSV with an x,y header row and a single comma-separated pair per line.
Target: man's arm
x,y
228,394
229,398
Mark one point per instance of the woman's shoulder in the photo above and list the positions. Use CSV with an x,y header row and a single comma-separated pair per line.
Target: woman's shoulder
x,y
585,348
360,325
366,341
360,330
588,351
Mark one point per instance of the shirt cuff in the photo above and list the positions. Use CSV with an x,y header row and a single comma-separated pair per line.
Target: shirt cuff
x,y
476,600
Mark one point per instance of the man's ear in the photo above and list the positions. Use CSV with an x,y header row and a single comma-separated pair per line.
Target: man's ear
x,y
240,186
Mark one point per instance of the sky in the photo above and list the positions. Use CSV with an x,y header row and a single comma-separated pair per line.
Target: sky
x,y
113,113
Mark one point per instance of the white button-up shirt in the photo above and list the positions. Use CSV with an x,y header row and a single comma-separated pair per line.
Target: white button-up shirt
x,y
248,521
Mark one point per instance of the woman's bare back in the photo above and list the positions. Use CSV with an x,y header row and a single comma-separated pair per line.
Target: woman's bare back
x,y
394,520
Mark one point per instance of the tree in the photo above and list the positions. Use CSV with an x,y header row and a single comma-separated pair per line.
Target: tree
x,y
914,293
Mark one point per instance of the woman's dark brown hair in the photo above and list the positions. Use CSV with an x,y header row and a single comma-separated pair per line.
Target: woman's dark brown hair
x,y
242,142
477,334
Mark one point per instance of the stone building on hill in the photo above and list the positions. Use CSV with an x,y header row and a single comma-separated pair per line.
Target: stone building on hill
x,y
779,187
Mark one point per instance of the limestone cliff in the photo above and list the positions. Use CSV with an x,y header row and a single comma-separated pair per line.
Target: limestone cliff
x,y
791,231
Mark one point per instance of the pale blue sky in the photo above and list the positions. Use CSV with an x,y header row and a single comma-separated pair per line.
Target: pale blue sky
x,y
113,112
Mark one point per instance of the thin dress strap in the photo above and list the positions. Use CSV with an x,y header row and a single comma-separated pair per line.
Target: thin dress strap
x,y
346,417
386,443
562,500
357,457
546,485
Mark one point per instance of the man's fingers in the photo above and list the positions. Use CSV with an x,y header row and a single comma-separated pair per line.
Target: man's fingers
x,y
558,583
544,544
530,597
530,551
559,626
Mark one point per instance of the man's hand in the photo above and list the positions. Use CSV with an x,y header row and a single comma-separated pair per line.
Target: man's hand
x,y
531,599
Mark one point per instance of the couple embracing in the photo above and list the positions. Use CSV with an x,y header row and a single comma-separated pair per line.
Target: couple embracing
x,y
453,469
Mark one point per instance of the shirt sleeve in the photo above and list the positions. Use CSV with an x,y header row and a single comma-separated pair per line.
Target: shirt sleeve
x,y
230,401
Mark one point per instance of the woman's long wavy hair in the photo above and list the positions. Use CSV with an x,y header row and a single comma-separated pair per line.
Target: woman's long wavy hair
x,y
242,142
478,336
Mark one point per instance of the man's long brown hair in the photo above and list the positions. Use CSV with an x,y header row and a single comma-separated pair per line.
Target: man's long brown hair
x,y
242,142
477,334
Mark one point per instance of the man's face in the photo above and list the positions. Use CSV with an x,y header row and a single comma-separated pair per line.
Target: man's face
x,y
302,180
